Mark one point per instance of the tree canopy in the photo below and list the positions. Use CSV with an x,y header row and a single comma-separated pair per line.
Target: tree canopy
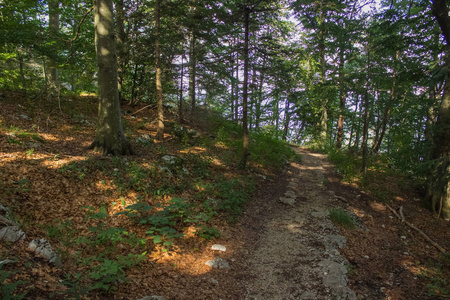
x,y
356,75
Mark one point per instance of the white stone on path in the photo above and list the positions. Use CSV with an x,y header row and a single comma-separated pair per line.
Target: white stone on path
x,y
218,247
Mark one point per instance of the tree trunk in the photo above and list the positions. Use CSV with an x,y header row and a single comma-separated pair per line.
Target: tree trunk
x,y
366,115
192,70
159,93
245,152
260,96
353,125
110,138
342,97
323,123
120,45
287,118
439,184
236,106
53,22
365,132
180,106
22,74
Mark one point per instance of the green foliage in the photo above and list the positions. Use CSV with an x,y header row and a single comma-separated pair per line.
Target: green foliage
x,y
107,268
234,194
346,164
342,218
436,274
198,164
63,231
7,286
162,221
269,151
19,136
208,233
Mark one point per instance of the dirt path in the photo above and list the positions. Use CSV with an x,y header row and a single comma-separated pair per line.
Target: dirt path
x,y
297,253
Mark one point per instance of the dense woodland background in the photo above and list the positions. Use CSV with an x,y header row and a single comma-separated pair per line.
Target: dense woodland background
x,y
365,81
364,76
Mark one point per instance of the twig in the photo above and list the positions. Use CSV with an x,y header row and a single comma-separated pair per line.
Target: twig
x,y
77,33
7,221
142,109
417,229
401,213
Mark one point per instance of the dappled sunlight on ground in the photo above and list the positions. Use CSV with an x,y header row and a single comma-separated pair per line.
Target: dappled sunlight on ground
x,y
377,206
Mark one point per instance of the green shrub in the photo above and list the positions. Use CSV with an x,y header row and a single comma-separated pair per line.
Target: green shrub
x,y
7,288
269,151
342,218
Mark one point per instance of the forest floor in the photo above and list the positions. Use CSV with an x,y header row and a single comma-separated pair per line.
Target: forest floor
x,y
274,250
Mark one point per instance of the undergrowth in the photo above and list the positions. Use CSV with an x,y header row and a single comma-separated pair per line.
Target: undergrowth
x,y
342,218
148,202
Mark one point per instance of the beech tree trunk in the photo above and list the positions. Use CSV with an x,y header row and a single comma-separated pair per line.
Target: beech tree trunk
x,y
120,45
439,184
159,93
53,22
342,97
323,123
109,138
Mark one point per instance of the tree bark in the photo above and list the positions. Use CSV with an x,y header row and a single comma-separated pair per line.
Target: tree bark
x,y
287,117
53,22
365,132
342,97
323,123
192,70
439,184
110,138
159,93
245,152
120,45
180,105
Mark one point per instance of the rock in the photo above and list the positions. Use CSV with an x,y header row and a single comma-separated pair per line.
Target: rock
x,y
153,298
43,248
320,213
25,117
308,295
213,281
262,176
166,170
170,160
214,203
341,198
12,234
3,210
288,201
292,185
331,240
290,194
335,278
218,263
218,247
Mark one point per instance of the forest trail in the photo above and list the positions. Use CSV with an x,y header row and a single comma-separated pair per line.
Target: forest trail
x,y
297,253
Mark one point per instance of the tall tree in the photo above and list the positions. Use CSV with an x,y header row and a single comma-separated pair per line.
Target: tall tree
x,y
110,138
245,153
439,179
53,21
159,92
